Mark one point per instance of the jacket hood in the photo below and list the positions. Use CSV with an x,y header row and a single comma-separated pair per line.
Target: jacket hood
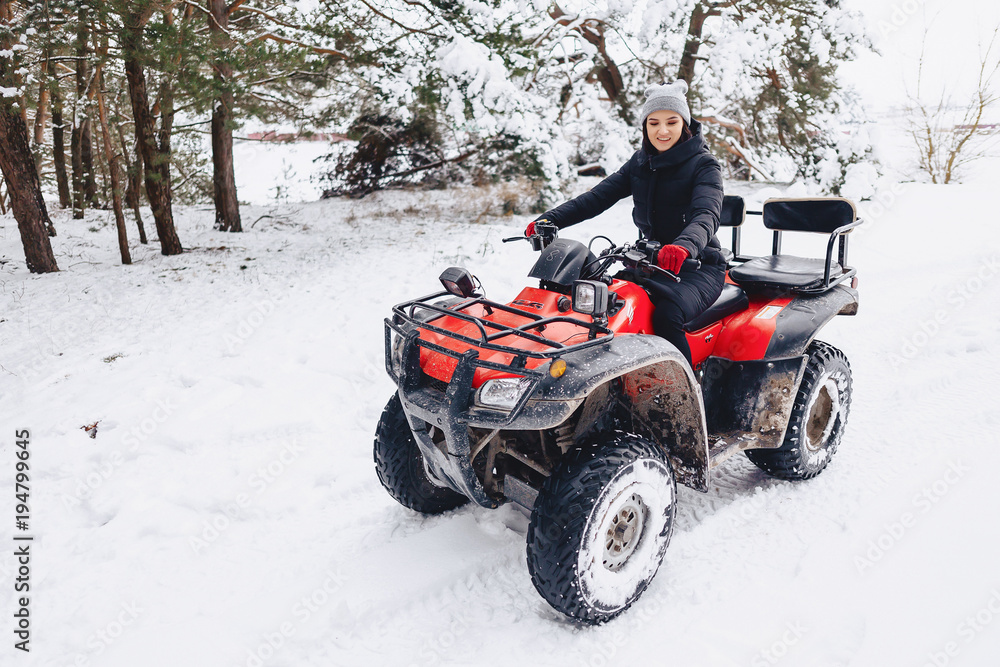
x,y
680,152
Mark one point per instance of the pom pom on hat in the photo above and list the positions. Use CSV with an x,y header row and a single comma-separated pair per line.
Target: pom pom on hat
x,y
667,97
680,88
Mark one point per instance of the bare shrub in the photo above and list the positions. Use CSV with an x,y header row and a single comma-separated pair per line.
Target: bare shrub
x,y
949,137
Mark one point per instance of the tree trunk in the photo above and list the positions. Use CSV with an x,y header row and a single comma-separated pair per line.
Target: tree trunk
x,y
77,166
41,111
59,149
87,160
608,73
227,206
156,163
690,55
83,96
19,171
165,102
76,149
116,191
133,191
25,191
100,161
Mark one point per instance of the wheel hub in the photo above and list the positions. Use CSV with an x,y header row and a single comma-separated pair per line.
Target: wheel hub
x,y
822,415
624,532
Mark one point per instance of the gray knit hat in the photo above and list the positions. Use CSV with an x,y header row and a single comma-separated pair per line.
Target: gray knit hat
x,y
667,97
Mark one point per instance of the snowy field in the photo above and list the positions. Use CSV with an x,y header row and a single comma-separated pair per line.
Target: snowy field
x,y
227,512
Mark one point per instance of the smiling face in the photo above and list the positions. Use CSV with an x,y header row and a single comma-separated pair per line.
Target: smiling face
x,y
663,128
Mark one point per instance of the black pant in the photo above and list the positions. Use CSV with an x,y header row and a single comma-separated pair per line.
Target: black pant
x,y
677,303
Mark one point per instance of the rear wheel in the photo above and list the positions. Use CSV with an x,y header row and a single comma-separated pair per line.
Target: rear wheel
x,y
400,466
818,418
600,527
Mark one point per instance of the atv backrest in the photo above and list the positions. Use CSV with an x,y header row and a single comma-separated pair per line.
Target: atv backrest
x,y
734,214
823,215
734,211
835,216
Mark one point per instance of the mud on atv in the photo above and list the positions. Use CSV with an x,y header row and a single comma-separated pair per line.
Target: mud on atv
x,y
564,402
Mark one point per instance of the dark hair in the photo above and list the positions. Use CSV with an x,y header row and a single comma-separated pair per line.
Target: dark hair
x,y
647,145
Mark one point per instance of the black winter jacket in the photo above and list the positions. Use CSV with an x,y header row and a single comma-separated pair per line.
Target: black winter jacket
x,y
676,195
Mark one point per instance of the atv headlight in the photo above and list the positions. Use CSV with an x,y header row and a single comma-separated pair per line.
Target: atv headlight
x,y
458,281
503,393
590,297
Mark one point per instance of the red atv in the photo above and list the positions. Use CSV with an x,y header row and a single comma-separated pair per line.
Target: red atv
x,y
565,402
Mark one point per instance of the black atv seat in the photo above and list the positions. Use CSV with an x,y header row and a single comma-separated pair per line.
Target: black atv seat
x,y
732,300
834,216
782,272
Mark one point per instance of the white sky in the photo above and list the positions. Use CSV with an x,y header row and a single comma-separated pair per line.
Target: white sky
x,y
955,30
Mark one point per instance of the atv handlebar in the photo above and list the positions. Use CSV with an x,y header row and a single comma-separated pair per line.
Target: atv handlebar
x,y
640,256
691,264
643,257
636,260
545,233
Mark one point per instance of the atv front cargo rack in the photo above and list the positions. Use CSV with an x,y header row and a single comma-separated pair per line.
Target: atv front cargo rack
x,y
410,317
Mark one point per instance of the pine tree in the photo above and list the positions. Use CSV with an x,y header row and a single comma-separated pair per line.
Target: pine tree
x,y
16,161
771,66
440,91
148,38
762,75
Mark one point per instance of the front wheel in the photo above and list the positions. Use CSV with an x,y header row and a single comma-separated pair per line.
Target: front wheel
x,y
600,527
818,418
400,466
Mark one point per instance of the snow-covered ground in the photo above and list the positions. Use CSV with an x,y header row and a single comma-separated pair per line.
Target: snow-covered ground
x,y
277,173
227,511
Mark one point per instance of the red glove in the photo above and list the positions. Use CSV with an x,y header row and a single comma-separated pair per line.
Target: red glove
x,y
671,257
531,228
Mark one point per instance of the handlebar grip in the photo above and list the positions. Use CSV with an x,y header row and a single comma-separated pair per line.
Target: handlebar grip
x,y
694,264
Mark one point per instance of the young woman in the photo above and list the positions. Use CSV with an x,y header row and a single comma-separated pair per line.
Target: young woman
x,y
676,189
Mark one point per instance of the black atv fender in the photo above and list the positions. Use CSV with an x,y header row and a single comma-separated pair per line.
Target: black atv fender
x,y
748,403
657,391
798,323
